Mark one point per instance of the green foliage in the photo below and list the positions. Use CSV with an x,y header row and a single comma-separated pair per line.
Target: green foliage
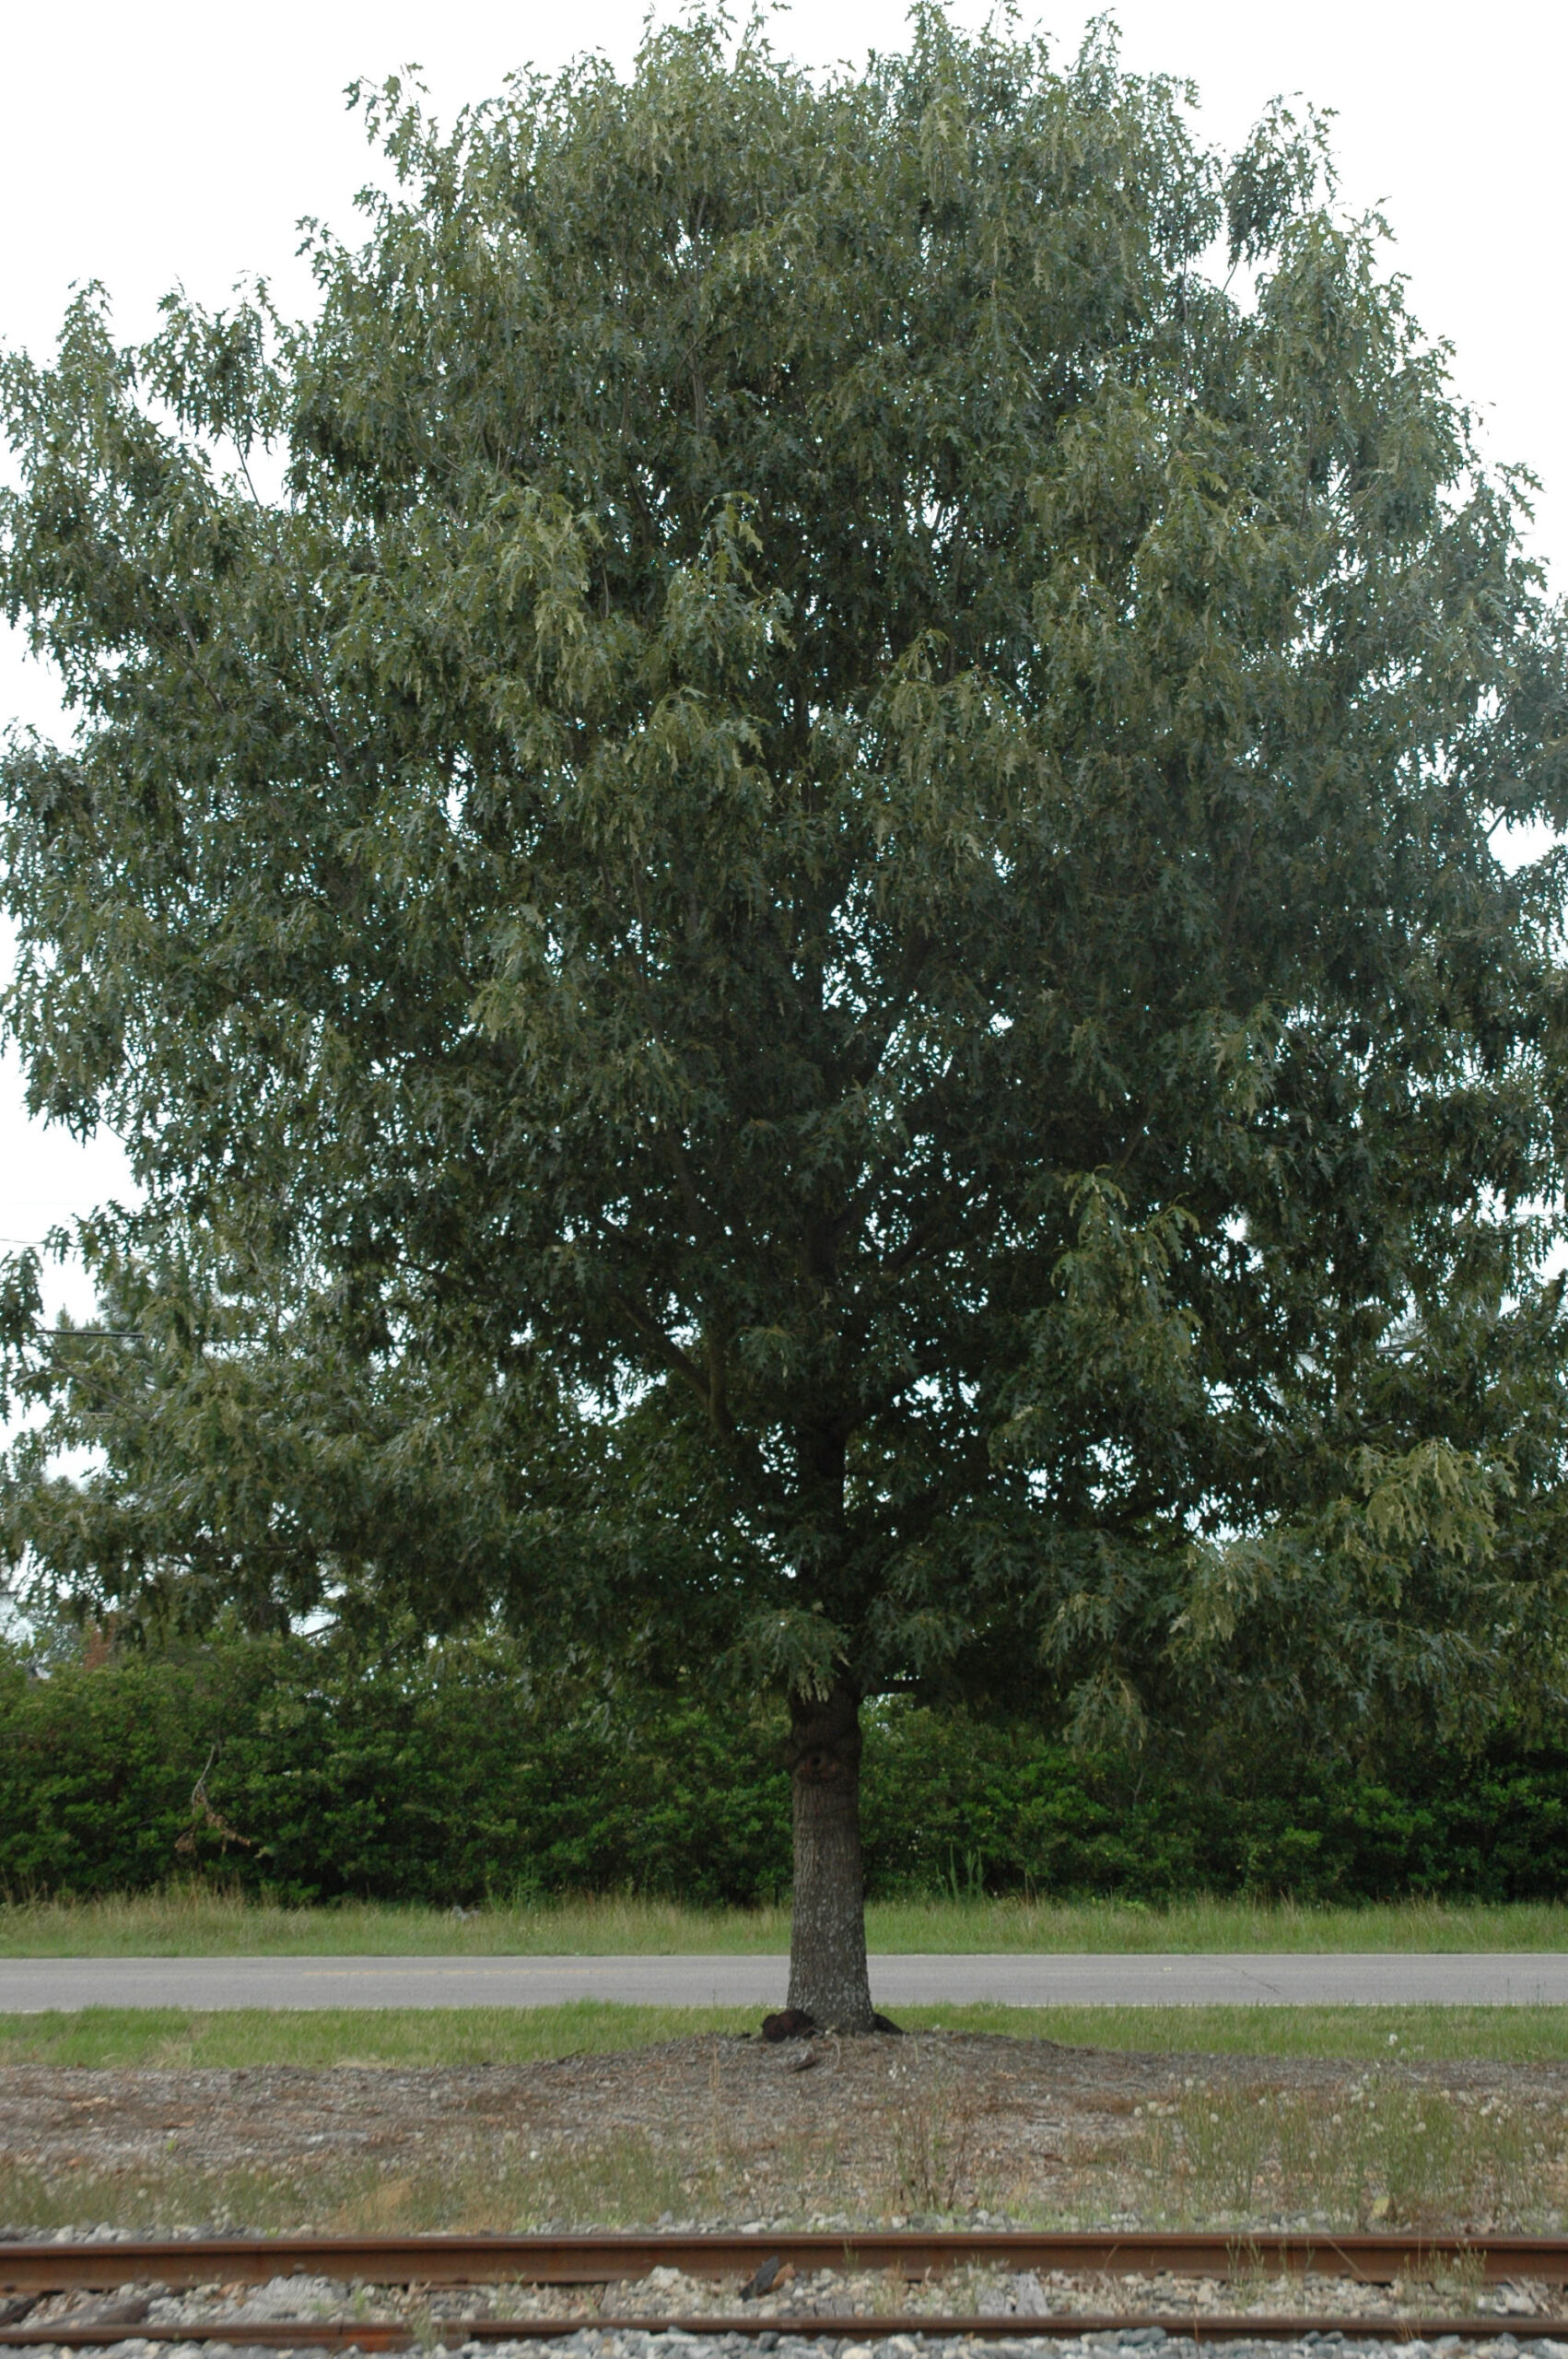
x,y
1001,1809
405,1778
801,956
438,1778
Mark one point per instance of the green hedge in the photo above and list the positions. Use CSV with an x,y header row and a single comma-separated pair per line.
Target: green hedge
x,y
432,1782
437,1780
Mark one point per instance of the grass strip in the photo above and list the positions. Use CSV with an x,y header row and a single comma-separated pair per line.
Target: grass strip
x,y
175,2037
197,1920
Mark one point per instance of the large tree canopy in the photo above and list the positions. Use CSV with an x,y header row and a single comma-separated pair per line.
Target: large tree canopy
x,y
801,948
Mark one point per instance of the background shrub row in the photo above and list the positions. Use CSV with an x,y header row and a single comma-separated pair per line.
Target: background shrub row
x,y
439,1778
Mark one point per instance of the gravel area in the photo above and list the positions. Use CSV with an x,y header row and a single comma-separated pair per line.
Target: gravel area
x,y
965,2130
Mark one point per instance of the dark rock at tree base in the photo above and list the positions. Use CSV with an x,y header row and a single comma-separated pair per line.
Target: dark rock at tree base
x,y
793,2022
790,2023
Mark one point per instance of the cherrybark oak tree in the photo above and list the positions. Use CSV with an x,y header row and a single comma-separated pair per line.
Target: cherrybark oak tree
x,y
794,923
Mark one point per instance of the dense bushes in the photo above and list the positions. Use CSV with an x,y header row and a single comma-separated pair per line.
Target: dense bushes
x,y
1008,1811
400,1780
439,1778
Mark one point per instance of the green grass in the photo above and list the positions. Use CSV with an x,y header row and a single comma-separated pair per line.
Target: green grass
x,y
177,2036
199,1922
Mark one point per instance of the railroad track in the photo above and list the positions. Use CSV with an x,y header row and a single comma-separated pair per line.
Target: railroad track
x,y
41,2270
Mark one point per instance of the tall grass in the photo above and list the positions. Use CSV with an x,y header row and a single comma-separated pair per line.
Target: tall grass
x,y
199,1919
1379,2151
628,2181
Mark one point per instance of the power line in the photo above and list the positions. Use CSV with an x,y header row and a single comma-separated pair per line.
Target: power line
x,y
125,1335
69,1334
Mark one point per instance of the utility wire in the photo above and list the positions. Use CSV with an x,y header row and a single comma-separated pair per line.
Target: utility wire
x,y
69,1334
122,1334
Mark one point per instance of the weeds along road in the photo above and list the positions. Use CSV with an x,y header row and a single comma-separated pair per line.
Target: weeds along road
x,y
1368,1979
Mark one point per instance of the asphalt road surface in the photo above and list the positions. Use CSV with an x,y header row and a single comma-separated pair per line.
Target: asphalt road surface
x,y
1497,1978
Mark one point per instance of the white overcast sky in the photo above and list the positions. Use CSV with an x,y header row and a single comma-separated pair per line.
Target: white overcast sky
x,y
156,144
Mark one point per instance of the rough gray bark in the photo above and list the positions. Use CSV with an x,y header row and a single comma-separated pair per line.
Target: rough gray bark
x,y
827,1933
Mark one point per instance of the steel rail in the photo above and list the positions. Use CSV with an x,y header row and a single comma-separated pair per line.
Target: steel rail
x,y
1367,2259
376,2335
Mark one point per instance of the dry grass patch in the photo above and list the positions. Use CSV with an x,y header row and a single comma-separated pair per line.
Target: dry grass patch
x,y
628,2181
1376,2151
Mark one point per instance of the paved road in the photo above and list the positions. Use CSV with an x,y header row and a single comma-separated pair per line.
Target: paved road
x,y
29,1986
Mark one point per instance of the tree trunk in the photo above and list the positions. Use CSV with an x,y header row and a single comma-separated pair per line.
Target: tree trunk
x,y
828,1930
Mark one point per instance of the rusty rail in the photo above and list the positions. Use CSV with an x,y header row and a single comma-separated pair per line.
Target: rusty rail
x,y
1368,2260
427,2261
